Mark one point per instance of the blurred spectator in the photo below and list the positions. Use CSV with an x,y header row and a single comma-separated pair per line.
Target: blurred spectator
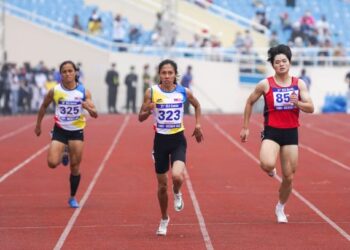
x,y
131,84
146,78
290,3
339,53
239,42
134,34
285,21
305,78
307,22
186,82
80,73
95,23
158,30
347,80
112,81
15,86
273,39
119,32
322,27
248,43
76,25
156,79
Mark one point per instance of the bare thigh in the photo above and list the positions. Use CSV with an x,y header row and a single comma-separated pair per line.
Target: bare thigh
x,y
75,153
55,152
269,151
289,159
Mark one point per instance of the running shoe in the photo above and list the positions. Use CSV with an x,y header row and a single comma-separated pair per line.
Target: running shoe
x,y
178,202
163,226
73,203
65,156
281,217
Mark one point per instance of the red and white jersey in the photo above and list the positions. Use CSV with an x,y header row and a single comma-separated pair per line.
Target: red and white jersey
x,y
278,111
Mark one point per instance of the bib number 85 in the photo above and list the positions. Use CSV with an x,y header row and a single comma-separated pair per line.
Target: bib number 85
x,y
169,115
282,98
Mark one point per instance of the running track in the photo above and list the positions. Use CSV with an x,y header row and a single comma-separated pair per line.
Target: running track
x,y
229,201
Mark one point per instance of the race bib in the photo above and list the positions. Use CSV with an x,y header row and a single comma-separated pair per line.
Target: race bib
x,y
169,115
69,110
281,97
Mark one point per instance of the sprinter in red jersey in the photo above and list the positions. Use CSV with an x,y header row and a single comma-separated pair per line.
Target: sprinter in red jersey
x,y
284,97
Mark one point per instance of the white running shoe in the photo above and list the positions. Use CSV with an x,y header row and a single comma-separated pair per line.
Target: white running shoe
x,y
163,226
178,202
272,173
281,217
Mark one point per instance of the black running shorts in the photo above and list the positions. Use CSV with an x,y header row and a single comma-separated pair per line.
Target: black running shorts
x,y
62,135
168,147
282,136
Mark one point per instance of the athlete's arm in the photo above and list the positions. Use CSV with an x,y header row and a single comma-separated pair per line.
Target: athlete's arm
x,y
305,103
89,105
197,133
147,106
259,90
41,113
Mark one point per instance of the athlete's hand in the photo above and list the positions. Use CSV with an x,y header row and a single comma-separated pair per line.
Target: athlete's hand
x,y
92,111
151,107
244,134
197,133
37,130
294,99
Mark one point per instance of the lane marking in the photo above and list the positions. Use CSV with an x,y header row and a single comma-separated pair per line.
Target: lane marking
x,y
92,184
199,215
319,154
25,162
294,191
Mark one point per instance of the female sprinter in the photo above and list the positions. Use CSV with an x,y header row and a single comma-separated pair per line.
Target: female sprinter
x,y
70,98
166,101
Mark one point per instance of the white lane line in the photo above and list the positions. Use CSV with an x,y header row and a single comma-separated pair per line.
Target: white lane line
x,y
325,132
197,209
295,192
21,165
15,132
314,151
86,195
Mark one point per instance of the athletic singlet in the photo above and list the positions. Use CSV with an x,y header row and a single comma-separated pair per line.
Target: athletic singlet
x,y
278,111
68,113
169,109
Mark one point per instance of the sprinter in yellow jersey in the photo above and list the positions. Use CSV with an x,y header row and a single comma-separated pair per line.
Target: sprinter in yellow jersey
x,y
70,98
166,101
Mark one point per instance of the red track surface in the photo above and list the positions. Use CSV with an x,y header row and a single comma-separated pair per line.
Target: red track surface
x,y
118,189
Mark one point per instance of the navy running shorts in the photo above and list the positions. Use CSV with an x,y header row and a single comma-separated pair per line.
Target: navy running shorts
x,y
282,136
62,135
168,147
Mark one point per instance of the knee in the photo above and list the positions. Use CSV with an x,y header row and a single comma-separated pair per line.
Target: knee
x,y
178,178
52,164
266,165
288,179
162,188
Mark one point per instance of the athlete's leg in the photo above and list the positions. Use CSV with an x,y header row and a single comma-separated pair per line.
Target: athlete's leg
x,y
55,152
269,151
163,194
75,154
177,172
289,160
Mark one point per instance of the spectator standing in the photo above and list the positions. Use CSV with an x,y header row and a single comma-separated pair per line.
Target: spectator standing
x,y
347,80
112,81
131,84
76,25
146,78
186,82
303,76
